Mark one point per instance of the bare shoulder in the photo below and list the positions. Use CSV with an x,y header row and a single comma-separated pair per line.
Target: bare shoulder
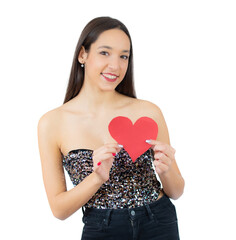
x,y
148,104
149,108
50,119
49,125
153,111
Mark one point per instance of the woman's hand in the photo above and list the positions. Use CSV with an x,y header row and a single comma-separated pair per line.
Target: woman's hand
x,y
103,158
164,156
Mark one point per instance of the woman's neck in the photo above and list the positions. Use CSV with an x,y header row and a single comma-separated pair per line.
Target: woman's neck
x,y
96,100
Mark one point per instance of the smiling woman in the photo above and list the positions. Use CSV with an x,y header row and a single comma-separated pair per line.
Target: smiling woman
x,y
106,62
120,197
88,38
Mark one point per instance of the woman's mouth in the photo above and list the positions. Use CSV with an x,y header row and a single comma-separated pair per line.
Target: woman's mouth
x,y
109,77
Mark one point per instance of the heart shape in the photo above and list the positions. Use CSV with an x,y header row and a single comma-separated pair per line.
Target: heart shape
x,y
133,136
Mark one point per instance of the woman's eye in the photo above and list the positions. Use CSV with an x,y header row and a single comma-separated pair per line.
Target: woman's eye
x,y
124,57
104,53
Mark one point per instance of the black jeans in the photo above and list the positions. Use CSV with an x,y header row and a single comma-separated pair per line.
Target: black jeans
x,y
157,221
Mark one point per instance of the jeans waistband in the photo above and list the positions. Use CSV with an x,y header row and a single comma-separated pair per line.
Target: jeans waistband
x,y
132,212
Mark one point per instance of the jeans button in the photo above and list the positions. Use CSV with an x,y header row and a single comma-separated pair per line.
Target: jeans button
x,y
133,213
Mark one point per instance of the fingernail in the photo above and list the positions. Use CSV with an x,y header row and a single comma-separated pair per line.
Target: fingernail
x,y
113,154
99,163
148,141
121,146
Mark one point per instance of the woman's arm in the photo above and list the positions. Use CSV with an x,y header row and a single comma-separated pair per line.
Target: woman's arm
x,y
165,163
63,203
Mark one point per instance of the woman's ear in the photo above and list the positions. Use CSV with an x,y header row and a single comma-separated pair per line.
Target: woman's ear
x,y
82,55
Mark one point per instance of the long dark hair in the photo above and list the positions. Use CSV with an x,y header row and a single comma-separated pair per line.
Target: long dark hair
x,y
88,36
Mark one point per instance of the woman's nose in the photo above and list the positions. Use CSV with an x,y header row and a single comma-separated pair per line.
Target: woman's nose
x,y
114,63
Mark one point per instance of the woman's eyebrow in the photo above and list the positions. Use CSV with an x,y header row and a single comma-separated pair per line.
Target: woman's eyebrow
x,y
108,47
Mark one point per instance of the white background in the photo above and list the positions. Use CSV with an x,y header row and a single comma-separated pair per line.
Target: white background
x,y
184,62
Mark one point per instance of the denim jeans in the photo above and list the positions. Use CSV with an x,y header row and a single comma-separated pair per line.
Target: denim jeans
x,y
157,221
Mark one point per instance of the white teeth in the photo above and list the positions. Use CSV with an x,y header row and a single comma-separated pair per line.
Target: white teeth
x,y
109,76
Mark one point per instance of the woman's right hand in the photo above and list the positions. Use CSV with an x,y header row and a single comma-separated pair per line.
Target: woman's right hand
x,y
103,158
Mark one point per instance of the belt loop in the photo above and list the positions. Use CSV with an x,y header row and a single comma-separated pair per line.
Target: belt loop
x,y
106,220
150,214
83,210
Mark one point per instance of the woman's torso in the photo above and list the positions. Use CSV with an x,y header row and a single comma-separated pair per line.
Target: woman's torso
x,y
131,184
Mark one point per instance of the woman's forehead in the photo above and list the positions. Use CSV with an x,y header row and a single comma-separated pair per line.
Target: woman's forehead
x,y
113,39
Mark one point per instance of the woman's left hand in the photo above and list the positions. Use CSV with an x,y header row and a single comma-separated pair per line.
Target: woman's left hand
x,y
164,156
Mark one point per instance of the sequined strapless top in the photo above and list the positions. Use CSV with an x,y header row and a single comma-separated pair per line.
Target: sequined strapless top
x,y
129,185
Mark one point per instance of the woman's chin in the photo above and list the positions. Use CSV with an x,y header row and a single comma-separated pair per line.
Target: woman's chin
x,y
108,88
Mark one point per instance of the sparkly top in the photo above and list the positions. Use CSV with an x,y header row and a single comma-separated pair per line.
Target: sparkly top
x,y
131,184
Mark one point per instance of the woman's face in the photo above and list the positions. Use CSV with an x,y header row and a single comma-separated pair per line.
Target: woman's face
x,y
107,60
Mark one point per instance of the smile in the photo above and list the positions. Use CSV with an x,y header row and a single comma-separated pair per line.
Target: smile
x,y
109,77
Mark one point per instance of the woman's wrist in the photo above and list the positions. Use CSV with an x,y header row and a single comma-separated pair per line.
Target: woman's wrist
x,y
96,179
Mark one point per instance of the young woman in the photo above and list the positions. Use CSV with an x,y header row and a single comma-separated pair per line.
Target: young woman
x,y
120,199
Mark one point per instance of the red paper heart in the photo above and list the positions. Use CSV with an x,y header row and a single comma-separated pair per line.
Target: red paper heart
x,y
133,137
